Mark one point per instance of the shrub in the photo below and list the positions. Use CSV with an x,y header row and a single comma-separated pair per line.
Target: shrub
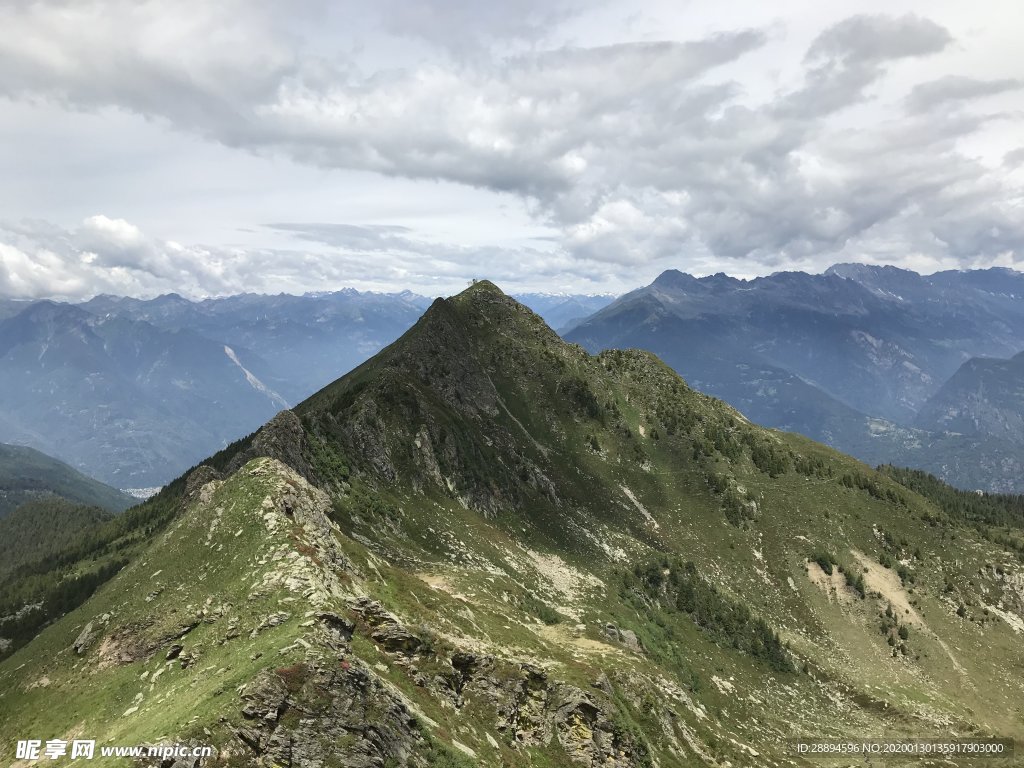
x,y
824,559
729,623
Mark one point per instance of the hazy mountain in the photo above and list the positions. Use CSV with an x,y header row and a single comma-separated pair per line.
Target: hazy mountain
x,y
135,391
121,399
562,311
487,547
304,341
11,307
309,339
984,398
848,357
27,474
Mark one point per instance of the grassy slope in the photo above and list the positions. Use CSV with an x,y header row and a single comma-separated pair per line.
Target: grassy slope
x,y
436,455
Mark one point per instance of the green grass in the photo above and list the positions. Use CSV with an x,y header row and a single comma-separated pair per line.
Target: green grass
x,y
473,504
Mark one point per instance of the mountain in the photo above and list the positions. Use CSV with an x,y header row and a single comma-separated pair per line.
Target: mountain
x,y
11,307
485,546
135,391
848,357
562,311
42,527
985,397
27,474
302,340
121,399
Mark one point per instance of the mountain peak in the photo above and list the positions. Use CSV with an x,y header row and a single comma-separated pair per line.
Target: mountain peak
x,y
673,278
857,271
484,304
483,286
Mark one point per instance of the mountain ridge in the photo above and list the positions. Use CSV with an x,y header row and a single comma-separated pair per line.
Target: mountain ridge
x,y
487,546
848,357
985,397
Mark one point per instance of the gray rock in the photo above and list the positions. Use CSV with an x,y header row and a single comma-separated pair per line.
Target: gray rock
x,y
626,637
397,639
630,640
344,627
197,478
85,639
281,438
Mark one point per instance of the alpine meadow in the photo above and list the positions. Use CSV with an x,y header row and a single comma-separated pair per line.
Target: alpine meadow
x,y
485,546
530,384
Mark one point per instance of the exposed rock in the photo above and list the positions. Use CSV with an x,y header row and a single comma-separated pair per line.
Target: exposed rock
x,y
84,640
344,627
197,479
627,637
397,639
586,733
266,696
348,719
281,438
387,630
273,620
603,684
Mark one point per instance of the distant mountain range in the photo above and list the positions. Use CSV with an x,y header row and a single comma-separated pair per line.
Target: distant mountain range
x,y
984,398
26,475
885,364
136,391
487,548
851,357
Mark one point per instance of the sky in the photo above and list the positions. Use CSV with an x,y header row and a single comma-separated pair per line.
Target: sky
x,y
150,146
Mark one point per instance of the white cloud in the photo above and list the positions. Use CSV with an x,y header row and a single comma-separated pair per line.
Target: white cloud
x,y
633,153
104,255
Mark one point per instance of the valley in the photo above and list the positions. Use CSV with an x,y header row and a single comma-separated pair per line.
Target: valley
x,y
441,559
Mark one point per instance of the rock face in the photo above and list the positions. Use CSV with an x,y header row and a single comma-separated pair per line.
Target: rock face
x,y
338,712
625,636
513,554
281,438
84,640
532,709
197,479
320,715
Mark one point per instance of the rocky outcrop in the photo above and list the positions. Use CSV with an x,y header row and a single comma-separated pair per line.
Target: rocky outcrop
x,y
197,479
626,637
533,709
281,438
385,628
84,640
323,714
338,711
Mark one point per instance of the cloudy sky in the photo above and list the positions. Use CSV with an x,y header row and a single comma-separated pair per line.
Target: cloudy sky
x,y
251,145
